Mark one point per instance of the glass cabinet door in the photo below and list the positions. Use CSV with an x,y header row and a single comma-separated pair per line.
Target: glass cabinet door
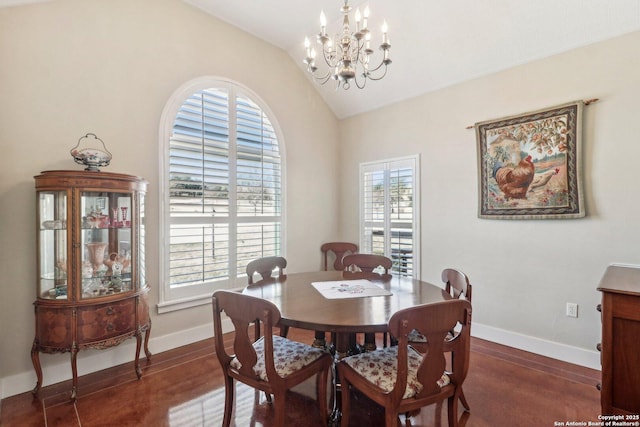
x,y
106,242
142,272
52,218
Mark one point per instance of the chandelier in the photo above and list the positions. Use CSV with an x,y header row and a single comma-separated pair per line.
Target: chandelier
x,y
348,54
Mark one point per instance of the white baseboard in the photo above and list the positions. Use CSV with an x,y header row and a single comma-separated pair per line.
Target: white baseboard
x,y
554,350
95,360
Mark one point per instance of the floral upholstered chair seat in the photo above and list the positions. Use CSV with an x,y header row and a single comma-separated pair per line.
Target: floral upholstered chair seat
x,y
416,336
379,367
288,357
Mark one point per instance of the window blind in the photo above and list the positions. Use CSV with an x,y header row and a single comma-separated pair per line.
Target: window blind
x,y
224,188
388,212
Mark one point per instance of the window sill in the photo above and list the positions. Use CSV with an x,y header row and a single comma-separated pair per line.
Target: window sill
x,y
186,303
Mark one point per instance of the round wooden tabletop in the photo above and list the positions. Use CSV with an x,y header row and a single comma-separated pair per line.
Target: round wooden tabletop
x,y
303,306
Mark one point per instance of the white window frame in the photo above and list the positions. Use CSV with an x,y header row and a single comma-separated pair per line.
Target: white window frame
x,y
386,165
195,295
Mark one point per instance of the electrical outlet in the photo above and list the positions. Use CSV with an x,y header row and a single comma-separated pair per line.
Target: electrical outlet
x,y
572,309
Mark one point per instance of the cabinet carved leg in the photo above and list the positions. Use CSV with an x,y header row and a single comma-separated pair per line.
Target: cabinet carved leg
x,y
74,371
146,342
35,359
137,359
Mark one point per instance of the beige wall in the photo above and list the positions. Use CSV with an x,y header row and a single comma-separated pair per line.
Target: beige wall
x,y
70,67
523,272
74,66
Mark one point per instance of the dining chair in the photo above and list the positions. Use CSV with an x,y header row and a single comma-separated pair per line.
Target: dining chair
x,y
371,267
403,380
367,263
265,266
339,249
272,364
458,286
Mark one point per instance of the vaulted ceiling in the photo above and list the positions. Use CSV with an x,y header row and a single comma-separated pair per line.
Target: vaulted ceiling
x,y
435,43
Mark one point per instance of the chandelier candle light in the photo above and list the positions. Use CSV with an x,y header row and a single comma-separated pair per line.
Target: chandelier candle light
x,y
348,54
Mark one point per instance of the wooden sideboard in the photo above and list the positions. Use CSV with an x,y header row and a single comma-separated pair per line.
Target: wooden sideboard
x,y
620,347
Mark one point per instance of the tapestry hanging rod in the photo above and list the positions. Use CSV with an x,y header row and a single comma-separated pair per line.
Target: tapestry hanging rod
x,y
585,102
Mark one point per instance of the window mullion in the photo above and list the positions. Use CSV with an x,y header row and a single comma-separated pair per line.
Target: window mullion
x,y
387,211
233,184
262,163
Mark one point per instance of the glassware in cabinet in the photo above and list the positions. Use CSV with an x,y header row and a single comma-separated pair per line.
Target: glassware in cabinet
x,y
52,237
106,243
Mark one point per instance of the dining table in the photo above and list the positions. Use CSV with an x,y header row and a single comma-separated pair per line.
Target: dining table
x,y
314,301
303,306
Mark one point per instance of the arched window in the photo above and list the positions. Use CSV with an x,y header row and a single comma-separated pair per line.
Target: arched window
x,y
222,194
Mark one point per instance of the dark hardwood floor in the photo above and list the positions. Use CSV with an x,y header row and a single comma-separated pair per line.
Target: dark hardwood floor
x,y
184,387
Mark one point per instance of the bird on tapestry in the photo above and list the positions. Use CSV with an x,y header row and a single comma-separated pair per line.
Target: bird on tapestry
x,y
514,181
541,179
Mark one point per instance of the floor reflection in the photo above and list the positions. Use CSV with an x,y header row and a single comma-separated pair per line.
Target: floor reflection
x,y
251,408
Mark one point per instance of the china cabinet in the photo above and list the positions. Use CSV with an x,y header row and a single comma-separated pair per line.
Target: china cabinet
x,y
620,347
91,287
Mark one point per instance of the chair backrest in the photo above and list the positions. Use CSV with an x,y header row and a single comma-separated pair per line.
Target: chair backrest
x,y
265,266
457,283
340,249
434,321
367,262
243,310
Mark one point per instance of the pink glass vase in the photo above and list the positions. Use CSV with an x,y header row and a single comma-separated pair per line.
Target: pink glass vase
x,y
96,254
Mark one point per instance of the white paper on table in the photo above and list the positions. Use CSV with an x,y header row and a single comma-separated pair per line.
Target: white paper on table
x,y
360,288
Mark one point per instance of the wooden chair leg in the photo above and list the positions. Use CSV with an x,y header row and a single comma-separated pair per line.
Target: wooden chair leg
x,y
452,410
284,331
463,399
391,419
464,402
346,404
321,394
228,400
279,409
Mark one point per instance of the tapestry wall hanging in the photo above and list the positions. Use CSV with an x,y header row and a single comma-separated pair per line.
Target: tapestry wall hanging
x,y
529,165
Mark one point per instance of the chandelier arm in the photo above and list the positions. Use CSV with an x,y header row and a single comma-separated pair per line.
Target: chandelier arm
x,y
322,79
364,81
379,77
377,68
329,56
